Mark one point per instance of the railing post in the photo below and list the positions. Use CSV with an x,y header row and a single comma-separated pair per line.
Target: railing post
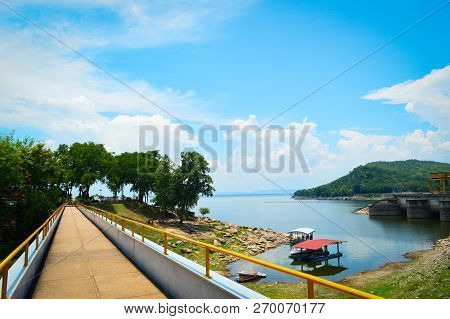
x,y
115,220
165,243
123,225
5,280
142,232
132,230
37,240
310,285
207,262
25,262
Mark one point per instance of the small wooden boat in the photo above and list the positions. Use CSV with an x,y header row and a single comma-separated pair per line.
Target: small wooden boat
x,y
246,276
244,273
247,279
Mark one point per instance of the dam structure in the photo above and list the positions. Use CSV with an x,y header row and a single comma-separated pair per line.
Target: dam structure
x,y
434,204
413,206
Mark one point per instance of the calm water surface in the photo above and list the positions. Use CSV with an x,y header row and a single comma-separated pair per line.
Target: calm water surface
x,y
371,242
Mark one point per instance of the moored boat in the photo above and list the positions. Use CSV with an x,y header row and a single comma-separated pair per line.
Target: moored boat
x,y
315,250
246,276
300,234
244,273
247,279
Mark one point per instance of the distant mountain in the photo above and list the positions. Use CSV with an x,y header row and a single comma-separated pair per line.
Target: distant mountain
x,y
380,177
258,192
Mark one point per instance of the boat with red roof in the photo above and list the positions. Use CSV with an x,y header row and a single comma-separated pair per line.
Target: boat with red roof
x,y
315,250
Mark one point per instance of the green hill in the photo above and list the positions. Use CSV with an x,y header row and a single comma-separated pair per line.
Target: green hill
x,y
380,177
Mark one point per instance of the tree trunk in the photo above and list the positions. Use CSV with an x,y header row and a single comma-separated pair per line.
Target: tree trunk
x,y
180,214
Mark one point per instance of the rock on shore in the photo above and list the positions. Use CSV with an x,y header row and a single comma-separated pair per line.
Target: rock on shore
x,y
243,239
362,211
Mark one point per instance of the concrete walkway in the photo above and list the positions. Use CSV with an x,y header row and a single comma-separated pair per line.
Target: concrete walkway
x,y
83,263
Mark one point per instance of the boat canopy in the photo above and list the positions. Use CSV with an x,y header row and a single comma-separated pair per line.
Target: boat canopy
x,y
316,244
302,230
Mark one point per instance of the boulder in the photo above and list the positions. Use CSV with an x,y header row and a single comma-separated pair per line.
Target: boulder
x,y
186,250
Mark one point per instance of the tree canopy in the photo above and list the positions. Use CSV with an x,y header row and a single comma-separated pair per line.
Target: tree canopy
x,y
35,179
380,177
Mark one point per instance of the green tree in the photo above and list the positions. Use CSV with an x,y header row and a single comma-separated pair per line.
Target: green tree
x,y
163,188
204,211
190,180
64,173
127,167
40,191
29,187
143,178
11,181
88,163
113,175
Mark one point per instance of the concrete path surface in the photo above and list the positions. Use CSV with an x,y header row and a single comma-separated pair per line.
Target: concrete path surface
x,y
83,263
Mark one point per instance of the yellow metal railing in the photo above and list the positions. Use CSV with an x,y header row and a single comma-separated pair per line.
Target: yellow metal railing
x,y
44,229
310,280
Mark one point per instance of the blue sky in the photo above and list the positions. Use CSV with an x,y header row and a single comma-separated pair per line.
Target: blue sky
x,y
212,65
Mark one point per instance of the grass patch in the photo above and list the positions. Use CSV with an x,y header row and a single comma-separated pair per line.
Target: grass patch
x,y
145,213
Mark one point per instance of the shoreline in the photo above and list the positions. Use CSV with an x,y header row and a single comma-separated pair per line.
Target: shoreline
x,y
362,211
425,275
353,197
439,246
254,240
243,239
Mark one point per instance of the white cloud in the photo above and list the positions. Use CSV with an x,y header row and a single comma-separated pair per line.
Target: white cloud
x,y
428,97
137,23
43,88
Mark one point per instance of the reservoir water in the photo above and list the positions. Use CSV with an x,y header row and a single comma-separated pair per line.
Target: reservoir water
x,y
370,242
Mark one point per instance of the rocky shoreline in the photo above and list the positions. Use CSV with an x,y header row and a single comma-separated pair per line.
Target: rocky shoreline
x,y
362,211
354,197
243,239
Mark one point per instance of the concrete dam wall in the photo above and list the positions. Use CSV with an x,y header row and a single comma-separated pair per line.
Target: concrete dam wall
x,y
413,206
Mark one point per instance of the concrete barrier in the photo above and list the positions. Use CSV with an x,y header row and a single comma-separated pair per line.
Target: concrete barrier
x,y
418,208
386,207
179,277
444,210
21,280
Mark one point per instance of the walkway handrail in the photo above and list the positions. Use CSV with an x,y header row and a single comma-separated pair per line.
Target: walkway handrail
x,y
45,227
311,280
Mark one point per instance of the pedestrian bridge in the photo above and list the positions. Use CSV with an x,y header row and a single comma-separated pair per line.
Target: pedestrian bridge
x,y
85,252
83,263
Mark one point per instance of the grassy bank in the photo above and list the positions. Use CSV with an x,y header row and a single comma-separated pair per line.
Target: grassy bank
x,y
427,275
242,239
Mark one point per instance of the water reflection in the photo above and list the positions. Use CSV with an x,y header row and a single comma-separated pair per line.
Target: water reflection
x,y
324,268
371,242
